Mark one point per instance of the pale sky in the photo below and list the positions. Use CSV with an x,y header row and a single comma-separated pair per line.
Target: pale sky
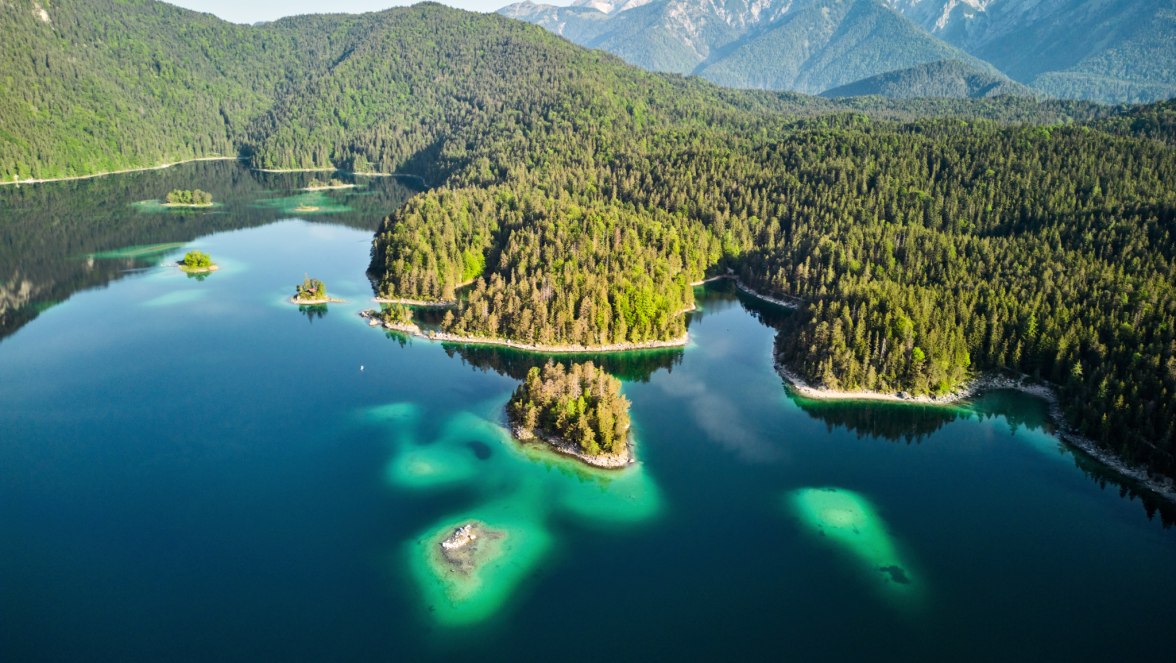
x,y
251,11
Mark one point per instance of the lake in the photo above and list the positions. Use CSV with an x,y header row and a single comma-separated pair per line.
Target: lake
x,y
195,469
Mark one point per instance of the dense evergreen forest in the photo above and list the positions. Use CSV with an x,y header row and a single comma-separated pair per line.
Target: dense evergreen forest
x,y
579,198
580,404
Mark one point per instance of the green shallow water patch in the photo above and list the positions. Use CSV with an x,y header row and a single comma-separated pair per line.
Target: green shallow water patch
x,y
400,411
611,497
456,597
514,489
466,446
429,466
848,521
307,202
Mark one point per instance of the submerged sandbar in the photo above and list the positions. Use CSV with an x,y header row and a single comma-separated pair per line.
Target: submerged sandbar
x,y
847,520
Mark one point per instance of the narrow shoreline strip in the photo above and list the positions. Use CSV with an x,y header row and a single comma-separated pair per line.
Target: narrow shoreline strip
x,y
1161,486
444,337
114,172
793,303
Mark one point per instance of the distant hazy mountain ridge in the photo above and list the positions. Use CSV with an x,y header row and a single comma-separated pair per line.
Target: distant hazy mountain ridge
x,y
803,45
1111,50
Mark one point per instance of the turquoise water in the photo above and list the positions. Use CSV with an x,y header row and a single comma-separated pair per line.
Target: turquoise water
x,y
196,469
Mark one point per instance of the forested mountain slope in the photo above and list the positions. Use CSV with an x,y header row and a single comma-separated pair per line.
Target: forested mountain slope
x,y
1112,50
581,196
935,79
108,84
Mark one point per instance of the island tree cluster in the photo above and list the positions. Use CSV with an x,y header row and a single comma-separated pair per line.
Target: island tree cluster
x,y
196,260
580,404
189,197
310,290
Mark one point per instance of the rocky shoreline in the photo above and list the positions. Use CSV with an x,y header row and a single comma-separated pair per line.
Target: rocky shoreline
x,y
786,303
462,549
445,337
561,446
115,172
198,270
1162,486
405,327
329,188
418,303
317,302
330,169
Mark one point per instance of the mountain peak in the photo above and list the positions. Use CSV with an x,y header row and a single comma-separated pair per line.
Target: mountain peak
x,y
610,6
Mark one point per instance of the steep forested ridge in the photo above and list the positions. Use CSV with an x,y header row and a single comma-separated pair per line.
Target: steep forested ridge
x,y
580,197
109,84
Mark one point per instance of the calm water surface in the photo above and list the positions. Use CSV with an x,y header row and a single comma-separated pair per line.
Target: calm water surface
x,y
195,469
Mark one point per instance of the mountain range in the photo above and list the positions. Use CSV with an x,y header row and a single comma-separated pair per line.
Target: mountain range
x,y
1109,50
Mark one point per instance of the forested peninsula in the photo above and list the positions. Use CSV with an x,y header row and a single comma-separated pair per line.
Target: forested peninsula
x,y
926,241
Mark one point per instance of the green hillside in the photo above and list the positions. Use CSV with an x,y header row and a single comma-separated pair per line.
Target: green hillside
x,y
110,84
580,196
951,79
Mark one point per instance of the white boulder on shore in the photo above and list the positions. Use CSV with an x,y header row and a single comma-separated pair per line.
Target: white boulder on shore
x,y
461,537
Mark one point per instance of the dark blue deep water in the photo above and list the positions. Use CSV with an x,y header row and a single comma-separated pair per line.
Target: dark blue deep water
x,y
194,469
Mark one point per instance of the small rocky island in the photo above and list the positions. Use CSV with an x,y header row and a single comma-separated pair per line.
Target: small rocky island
x,y
333,183
188,198
197,262
469,546
578,411
312,291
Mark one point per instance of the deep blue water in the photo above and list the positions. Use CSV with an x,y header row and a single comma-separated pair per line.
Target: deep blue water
x,y
198,470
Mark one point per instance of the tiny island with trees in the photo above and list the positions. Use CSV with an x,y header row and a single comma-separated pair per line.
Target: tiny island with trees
x,y
333,183
578,410
198,262
188,198
312,291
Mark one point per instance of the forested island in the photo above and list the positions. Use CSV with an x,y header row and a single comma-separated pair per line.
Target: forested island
x,y
312,291
198,262
926,241
578,410
188,198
